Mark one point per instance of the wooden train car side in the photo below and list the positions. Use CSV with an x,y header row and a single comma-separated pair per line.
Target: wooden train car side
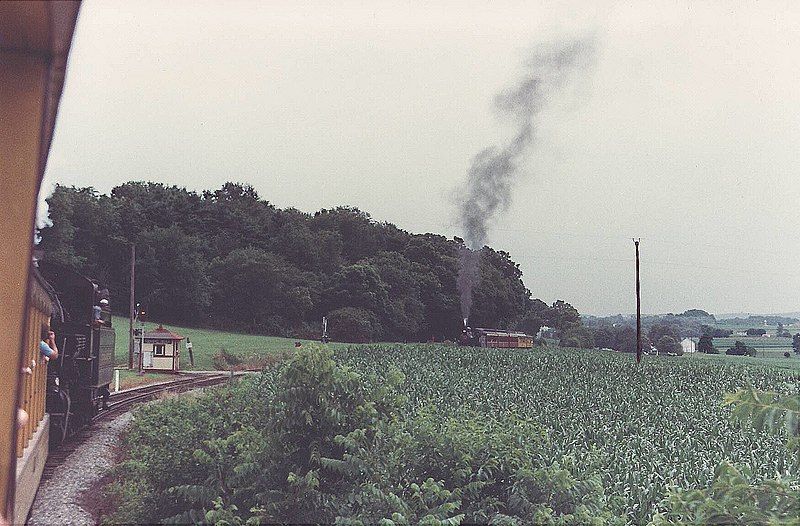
x,y
495,338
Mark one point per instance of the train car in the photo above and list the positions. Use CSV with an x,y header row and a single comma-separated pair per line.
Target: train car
x,y
496,338
78,380
36,38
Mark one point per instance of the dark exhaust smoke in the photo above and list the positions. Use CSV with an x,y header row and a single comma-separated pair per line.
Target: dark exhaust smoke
x,y
490,178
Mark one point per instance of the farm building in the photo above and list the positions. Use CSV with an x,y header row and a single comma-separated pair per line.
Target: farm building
x,y
161,350
689,345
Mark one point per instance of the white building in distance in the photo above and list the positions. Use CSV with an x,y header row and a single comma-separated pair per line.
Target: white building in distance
x,y
689,345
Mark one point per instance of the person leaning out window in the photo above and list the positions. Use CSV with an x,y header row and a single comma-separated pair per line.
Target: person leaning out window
x,y
48,344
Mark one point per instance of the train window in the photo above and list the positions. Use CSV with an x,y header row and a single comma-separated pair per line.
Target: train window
x,y
158,350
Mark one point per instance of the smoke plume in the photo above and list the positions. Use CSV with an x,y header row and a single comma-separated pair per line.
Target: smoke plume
x,y
494,169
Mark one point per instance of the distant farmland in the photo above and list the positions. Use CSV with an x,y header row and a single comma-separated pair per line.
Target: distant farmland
x,y
766,347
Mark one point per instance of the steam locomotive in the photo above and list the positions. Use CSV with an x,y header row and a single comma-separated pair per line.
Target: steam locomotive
x,y
78,380
481,337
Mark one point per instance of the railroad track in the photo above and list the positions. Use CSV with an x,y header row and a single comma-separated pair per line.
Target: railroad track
x,y
121,402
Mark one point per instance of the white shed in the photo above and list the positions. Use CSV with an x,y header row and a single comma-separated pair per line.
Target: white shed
x,y
689,345
161,350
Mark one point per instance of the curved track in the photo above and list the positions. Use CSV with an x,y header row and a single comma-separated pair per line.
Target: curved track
x,y
123,401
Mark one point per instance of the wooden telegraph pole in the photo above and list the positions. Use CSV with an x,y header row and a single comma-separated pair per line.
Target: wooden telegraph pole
x,y
132,313
638,308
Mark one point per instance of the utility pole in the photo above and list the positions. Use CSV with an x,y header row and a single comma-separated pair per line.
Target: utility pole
x,y
638,308
132,313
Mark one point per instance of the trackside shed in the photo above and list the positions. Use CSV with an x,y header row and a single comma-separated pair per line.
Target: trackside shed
x,y
161,350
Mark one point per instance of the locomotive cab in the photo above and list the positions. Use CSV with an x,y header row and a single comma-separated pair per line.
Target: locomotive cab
x,y
79,379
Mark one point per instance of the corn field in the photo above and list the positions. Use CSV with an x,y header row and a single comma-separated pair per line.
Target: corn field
x,y
641,428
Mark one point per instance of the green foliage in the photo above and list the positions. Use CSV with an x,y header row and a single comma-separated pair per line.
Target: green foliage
x,y
768,410
740,349
623,339
639,428
534,317
563,316
696,313
433,434
578,336
350,324
228,258
659,330
668,345
225,360
735,496
706,345
255,288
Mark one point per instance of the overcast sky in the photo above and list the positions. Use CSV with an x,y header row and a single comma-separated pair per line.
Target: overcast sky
x,y
685,132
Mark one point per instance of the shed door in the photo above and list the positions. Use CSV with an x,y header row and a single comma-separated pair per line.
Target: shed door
x,y
147,359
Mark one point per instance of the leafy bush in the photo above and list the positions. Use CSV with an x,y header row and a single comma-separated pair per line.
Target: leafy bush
x,y
350,324
323,444
733,498
225,360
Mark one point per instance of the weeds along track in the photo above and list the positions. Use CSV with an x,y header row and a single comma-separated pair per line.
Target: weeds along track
x,y
121,402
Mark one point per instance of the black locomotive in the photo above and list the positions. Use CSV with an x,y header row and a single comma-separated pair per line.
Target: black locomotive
x,y
78,380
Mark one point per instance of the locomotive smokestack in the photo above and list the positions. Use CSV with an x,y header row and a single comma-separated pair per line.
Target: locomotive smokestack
x,y
493,170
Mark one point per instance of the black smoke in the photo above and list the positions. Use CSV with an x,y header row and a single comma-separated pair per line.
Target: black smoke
x,y
494,169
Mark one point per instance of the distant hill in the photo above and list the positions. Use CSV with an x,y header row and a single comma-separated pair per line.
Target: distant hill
x,y
728,316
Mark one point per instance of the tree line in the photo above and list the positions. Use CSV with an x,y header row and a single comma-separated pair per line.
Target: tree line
x,y
229,259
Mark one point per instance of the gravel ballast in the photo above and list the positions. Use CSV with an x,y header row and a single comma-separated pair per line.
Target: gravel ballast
x,y
59,498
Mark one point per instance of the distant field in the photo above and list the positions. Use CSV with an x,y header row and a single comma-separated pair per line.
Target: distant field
x,y
205,343
766,347
771,329
772,359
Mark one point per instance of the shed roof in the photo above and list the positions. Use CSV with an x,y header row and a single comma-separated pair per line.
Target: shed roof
x,y
162,334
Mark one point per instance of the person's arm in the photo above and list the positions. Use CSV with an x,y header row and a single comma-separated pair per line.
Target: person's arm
x,y
53,342
49,348
47,352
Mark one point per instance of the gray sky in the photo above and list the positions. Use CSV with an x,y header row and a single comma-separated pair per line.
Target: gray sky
x,y
686,133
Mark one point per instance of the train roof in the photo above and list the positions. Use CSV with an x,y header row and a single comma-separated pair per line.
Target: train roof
x,y
500,332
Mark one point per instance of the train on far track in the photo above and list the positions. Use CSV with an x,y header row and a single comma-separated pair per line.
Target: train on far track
x,y
496,338
78,379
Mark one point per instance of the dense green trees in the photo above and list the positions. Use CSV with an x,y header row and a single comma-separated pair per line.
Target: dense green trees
x,y
706,345
229,258
740,349
666,344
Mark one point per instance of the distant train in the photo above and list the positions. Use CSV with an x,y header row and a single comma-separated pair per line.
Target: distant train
x,y
480,337
78,380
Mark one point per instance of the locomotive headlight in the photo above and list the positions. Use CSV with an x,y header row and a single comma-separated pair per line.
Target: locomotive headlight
x,y
57,382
